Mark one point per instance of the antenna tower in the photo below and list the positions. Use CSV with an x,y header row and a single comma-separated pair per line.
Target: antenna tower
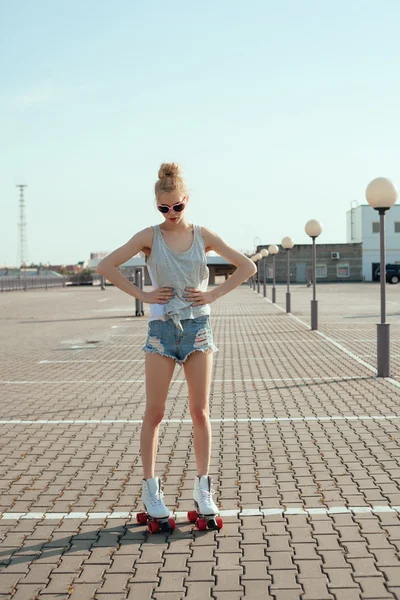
x,y
23,245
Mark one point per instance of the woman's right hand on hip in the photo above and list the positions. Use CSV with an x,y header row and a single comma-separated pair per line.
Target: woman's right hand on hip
x,y
159,296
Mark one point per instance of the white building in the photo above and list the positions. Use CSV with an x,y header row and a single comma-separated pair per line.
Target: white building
x,y
363,226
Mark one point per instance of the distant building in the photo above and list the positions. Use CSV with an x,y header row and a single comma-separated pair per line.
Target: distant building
x,y
363,228
66,268
98,255
335,262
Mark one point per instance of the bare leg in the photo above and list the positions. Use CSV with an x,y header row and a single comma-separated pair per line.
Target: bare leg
x,y
198,369
158,371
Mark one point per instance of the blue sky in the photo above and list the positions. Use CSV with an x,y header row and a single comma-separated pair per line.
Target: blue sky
x,y
277,111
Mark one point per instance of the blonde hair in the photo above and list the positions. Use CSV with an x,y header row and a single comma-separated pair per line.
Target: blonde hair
x,y
169,179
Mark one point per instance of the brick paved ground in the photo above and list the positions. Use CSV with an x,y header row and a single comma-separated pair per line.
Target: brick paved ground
x,y
349,313
305,448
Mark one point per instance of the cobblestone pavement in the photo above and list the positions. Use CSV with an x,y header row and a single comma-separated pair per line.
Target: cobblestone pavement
x,y
305,453
349,314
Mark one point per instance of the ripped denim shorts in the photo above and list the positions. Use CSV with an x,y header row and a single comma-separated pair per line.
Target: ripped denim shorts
x,y
166,339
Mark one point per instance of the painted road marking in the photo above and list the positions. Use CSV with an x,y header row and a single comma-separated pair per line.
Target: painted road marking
x,y
241,513
337,379
212,420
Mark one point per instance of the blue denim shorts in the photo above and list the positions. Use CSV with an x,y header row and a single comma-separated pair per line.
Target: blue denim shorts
x,y
166,339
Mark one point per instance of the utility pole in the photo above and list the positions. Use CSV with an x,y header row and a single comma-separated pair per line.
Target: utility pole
x,y
23,249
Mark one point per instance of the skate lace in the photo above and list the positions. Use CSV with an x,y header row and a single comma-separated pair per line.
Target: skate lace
x,y
158,499
207,495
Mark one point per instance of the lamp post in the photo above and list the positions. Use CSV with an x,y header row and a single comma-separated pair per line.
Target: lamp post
x,y
273,249
382,194
264,253
256,241
313,228
287,244
258,258
253,277
255,274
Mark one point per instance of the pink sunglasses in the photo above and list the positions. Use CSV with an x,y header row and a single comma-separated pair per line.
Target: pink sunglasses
x,y
177,207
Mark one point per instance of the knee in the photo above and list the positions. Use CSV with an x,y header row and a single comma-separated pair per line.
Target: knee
x,y
200,416
154,417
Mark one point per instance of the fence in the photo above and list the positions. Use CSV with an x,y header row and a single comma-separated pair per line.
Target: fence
x,y
9,283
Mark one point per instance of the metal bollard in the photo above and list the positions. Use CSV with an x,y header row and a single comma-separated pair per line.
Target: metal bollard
x,y
139,279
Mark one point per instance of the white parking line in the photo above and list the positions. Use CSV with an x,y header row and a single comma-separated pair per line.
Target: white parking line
x,y
126,326
240,513
121,309
91,346
277,379
128,360
88,360
212,420
265,342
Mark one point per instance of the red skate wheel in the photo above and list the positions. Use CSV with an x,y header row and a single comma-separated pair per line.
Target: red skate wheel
x,y
219,522
192,516
141,518
201,524
154,526
172,523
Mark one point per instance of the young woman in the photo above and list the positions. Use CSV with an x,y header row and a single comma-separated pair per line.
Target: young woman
x,y
179,328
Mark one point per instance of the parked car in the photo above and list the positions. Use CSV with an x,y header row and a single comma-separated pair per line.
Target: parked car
x,y
392,273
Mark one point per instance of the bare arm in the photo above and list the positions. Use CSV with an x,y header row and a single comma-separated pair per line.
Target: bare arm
x,y
108,267
245,267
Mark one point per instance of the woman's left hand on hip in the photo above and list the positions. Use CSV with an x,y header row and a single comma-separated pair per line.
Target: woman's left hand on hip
x,y
197,297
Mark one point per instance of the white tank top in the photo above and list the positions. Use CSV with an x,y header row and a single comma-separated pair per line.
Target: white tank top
x,y
179,270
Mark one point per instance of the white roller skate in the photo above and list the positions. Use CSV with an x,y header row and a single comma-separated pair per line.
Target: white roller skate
x,y
157,514
206,513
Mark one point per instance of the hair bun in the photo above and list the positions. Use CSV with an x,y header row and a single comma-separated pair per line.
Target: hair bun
x,y
169,170
170,180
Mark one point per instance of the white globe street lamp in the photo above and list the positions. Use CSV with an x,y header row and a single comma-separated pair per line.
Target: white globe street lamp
x,y
287,243
313,228
273,249
264,253
382,194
